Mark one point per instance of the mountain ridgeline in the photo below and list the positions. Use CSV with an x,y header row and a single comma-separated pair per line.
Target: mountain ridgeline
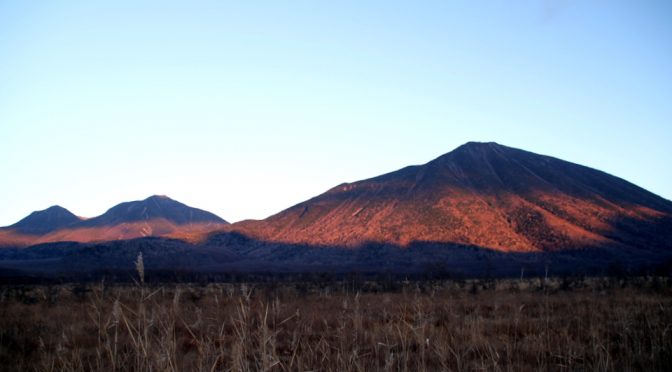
x,y
481,207
154,216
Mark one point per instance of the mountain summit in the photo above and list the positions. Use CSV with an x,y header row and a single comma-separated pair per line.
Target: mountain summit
x,y
45,221
480,194
154,207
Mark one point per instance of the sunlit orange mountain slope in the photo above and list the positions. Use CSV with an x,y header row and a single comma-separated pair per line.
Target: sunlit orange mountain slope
x,y
480,194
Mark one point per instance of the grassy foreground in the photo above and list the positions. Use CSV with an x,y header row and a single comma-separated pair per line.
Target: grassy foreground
x,y
596,324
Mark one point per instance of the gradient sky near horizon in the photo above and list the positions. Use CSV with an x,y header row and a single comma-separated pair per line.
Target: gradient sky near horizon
x,y
246,108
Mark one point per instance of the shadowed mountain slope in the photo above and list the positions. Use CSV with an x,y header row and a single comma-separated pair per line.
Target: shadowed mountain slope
x,y
480,194
46,221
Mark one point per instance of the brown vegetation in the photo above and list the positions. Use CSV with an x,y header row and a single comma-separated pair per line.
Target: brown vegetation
x,y
596,324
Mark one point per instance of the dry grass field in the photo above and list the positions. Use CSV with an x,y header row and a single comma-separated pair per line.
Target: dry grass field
x,y
512,325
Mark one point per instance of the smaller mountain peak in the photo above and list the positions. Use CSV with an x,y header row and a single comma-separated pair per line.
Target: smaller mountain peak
x,y
158,198
475,144
153,207
55,208
47,220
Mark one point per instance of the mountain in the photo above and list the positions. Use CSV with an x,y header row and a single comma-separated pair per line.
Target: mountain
x,y
484,195
157,216
482,209
46,221
152,208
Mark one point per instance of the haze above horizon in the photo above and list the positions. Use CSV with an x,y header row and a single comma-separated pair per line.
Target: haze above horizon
x,y
244,110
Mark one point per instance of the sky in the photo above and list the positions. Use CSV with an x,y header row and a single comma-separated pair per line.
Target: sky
x,y
245,108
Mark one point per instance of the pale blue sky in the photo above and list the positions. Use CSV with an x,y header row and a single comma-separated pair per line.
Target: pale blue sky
x,y
246,108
